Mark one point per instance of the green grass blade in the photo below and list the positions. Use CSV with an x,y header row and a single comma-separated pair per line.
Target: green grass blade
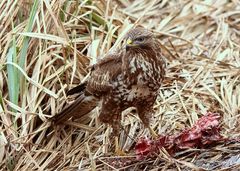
x,y
24,49
13,78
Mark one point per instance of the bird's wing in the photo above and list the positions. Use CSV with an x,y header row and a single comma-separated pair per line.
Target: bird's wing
x,y
104,73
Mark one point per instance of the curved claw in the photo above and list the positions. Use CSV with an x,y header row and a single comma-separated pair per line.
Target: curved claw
x,y
118,151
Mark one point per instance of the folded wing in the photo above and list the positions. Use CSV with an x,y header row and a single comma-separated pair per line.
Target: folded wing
x,y
99,84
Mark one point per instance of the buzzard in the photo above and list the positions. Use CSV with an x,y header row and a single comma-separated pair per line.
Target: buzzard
x,y
129,77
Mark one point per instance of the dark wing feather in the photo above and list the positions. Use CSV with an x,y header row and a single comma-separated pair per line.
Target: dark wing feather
x,y
104,73
78,89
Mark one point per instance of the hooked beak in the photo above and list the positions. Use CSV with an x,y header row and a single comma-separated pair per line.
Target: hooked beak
x,y
129,44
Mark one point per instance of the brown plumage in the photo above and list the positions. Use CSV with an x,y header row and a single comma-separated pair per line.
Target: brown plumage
x,y
129,77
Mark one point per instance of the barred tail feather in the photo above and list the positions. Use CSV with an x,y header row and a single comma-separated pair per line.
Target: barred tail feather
x,y
79,108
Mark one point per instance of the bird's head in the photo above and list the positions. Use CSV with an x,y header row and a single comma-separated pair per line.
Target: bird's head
x,y
139,38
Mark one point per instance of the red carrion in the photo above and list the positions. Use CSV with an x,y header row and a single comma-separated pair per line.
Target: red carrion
x,y
206,131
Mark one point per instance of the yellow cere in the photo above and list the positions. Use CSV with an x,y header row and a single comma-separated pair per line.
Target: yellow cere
x,y
129,41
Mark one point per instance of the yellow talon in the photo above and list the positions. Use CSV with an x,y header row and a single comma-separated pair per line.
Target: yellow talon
x,y
118,151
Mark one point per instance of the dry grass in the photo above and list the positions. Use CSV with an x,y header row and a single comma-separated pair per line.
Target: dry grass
x,y
46,46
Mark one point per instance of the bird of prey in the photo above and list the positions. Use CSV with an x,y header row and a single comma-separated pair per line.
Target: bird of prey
x,y
129,77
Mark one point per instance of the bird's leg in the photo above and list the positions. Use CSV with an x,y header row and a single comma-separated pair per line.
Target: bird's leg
x,y
144,113
116,128
118,150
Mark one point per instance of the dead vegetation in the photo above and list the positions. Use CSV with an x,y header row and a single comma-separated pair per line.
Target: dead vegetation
x,y
46,47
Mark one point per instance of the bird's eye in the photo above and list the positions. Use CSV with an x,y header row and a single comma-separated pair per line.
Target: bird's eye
x,y
139,39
